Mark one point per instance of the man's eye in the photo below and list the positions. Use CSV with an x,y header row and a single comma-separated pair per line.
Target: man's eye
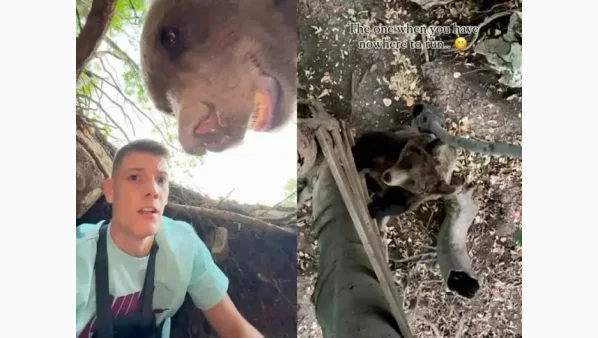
x,y
162,180
134,177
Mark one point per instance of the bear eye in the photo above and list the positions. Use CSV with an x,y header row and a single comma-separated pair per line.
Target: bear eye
x,y
170,39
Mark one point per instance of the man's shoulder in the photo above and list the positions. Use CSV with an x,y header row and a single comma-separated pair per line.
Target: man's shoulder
x,y
178,227
87,239
87,233
179,231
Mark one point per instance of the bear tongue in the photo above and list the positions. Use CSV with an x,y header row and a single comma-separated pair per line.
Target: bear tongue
x,y
207,126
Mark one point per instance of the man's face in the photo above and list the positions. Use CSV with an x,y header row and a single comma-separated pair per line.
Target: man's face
x,y
138,192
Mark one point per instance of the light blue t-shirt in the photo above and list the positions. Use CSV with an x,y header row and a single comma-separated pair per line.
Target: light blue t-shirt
x,y
183,264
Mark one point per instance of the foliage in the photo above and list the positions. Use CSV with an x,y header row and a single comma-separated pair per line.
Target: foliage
x,y
290,189
517,237
128,12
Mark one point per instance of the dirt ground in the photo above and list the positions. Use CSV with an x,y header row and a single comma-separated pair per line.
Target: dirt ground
x,y
373,89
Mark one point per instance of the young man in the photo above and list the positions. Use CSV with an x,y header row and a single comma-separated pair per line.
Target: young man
x,y
133,273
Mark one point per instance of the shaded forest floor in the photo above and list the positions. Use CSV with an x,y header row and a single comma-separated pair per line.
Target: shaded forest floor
x,y
373,89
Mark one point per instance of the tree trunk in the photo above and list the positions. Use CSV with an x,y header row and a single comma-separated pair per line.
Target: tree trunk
x,y
94,165
95,28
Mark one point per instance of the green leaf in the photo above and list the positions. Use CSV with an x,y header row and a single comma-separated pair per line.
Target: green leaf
x,y
290,186
517,237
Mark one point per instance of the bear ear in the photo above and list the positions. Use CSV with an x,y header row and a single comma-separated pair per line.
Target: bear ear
x,y
416,110
410,157
435,147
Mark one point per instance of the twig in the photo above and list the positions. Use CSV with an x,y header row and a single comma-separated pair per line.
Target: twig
x,y
127,59
225,197
102,53
110,118
134,11
279,203
484,23
116,83
125,115
226,216
138,110
95,28
413,258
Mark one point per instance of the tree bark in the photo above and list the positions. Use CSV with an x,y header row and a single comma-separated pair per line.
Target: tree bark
x,y
93,166
227,216
348,298
95,28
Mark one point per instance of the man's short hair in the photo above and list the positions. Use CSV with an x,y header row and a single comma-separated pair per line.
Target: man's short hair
x,y
139,146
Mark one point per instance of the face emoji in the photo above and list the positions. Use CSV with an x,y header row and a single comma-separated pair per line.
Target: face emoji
x,y
460,44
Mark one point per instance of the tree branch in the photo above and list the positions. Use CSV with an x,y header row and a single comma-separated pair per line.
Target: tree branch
x,y
116,83
284,218
126,116
110,118
137,109
427,121
124,55
279,203
227,216
96,26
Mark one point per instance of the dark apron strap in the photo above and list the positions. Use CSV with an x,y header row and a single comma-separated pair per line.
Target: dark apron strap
x,y
105,327
147,293
103,305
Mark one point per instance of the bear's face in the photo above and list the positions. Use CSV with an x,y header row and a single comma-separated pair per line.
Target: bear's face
x,y
221,67
416,171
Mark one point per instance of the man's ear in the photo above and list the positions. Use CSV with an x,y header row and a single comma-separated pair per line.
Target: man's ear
x,y
108,187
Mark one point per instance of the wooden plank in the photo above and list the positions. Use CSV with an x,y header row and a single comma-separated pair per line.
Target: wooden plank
x,y
359,182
